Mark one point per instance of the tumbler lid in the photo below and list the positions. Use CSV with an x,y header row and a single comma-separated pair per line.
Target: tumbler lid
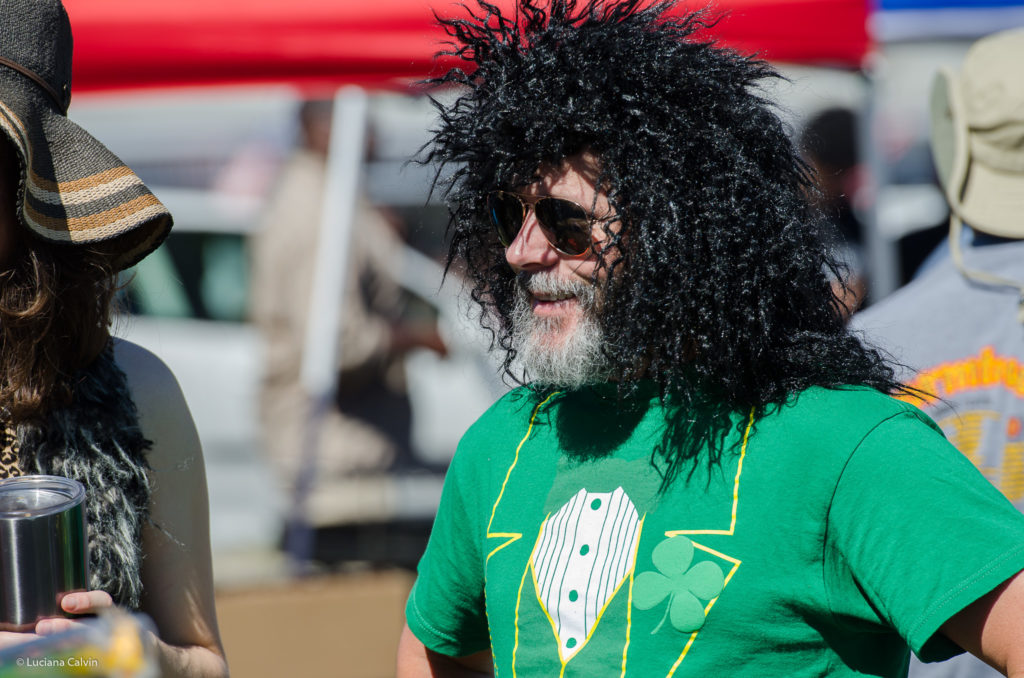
x,y
38,495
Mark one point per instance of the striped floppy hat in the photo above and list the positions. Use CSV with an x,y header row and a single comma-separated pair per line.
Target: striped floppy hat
x,y
72,189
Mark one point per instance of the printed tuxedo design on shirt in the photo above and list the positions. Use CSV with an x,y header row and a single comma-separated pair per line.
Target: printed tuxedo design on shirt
x,y
595,584
583,555
587,551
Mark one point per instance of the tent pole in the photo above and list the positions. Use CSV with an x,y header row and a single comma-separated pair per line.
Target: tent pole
x,y
882,261
322,350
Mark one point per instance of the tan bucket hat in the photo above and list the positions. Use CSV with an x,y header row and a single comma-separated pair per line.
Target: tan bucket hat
x,y
72,190
978,143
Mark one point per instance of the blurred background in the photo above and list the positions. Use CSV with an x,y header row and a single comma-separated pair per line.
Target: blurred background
x,y
299,299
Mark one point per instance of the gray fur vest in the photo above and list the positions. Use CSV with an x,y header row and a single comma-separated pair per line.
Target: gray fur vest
x,y
98,442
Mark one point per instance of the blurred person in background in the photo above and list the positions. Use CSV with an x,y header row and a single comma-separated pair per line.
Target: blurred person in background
x,y
959,326
73,401
704,473
829,142
367,431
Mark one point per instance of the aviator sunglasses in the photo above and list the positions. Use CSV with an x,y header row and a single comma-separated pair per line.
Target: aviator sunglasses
x,y
565,224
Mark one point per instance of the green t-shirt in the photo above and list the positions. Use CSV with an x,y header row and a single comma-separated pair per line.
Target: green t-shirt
x,y
834,532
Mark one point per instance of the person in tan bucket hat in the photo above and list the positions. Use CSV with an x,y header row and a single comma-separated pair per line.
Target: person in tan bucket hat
x,y
75,402
978,144
959,327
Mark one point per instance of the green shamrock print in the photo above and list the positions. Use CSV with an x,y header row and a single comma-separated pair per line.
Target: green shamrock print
x,y
684,586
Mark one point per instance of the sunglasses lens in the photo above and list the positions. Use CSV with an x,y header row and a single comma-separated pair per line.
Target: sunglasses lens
x,y
566,224
506,214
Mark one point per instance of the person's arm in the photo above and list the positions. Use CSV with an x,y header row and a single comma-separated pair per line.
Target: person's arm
x,y
416,661
177,574
992,627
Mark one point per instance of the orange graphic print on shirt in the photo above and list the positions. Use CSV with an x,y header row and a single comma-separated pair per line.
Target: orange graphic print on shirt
x,y
979,404
985,370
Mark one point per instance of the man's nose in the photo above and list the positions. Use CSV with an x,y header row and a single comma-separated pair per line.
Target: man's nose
x,y
530,250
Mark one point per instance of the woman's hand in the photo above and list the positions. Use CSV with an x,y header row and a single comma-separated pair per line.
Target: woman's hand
x,y
85,602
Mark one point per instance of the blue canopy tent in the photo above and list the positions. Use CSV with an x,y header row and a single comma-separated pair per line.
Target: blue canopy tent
x,y
896,20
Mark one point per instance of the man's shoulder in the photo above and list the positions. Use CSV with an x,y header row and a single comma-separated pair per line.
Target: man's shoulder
x,y
508,416
850,394
861,402
518,402
841,416
812,438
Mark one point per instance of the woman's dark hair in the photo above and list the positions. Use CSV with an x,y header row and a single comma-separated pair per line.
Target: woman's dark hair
x,y
721,291
55,311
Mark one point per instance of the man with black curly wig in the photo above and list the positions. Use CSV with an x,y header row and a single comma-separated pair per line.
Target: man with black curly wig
x,y
703,473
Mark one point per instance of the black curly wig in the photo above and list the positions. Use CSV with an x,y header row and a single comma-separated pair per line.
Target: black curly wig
x,y
720,293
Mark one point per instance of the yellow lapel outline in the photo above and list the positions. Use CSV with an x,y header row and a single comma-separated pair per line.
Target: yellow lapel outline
x,y
735,490
730,532
511,537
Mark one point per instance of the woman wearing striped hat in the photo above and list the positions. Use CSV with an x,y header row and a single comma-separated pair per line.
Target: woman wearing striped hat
x,y
73,401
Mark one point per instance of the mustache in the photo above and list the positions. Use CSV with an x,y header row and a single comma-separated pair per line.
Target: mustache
x,y
548,283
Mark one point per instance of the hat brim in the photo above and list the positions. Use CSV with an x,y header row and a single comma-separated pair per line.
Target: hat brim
x,y
73,190
945,136
983,197
993,201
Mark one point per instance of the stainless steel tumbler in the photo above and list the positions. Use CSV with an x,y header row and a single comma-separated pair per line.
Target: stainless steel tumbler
x,y
43,548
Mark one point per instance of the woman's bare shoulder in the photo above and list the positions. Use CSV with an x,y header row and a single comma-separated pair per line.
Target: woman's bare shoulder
x,y
142,367
163,413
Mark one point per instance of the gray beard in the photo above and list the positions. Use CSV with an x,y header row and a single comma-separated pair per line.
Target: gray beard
x,y
571,360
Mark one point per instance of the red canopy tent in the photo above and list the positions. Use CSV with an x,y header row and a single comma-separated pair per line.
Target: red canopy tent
x,y
123,44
